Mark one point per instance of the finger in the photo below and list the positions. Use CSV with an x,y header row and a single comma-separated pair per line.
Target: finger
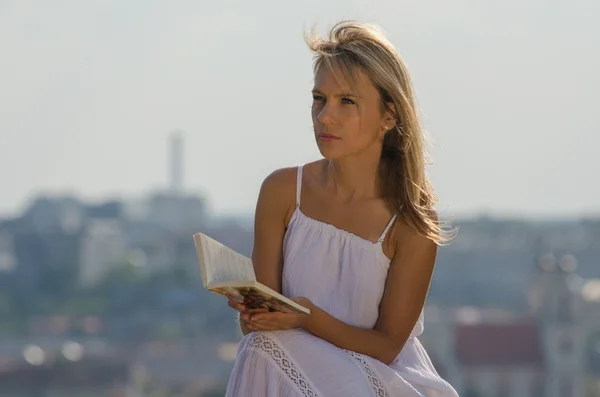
x,y
246,316
257,327
262,321
241,310
233,304
254,327
237,306
270,322
233,297
258,310
269,316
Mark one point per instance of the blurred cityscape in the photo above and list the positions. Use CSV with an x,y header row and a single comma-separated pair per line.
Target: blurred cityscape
x,y
105,299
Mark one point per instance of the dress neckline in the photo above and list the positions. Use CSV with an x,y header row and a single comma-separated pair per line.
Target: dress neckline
x,y
377,246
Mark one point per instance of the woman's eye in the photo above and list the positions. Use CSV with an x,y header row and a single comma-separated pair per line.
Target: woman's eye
x,y
348,101
317,98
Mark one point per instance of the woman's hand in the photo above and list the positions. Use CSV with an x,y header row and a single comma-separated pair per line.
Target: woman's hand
x,y
263,320
238,305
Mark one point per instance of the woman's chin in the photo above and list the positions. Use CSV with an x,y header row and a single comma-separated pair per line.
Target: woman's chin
x,y
328,152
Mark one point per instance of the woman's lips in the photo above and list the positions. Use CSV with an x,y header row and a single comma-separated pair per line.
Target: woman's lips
x,y
328,137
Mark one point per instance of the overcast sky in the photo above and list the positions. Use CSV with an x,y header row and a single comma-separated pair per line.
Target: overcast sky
x,y
89,91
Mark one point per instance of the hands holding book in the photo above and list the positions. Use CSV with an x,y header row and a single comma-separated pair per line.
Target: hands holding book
x,y
263,320
231,274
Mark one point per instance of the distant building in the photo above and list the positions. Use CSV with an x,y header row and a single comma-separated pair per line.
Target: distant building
x,y
176,213
103,245
170,210
45,214
564,333
503,360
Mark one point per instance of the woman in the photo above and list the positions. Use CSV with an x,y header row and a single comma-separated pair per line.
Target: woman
x,y
353,237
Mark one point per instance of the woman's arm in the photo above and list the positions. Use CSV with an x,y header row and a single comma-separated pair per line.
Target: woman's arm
x,y
275,204
406,289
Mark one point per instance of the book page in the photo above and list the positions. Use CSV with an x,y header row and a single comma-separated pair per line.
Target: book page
x,y
219,263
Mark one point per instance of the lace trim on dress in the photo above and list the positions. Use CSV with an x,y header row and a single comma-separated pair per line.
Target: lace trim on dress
x,y
269,346
377,385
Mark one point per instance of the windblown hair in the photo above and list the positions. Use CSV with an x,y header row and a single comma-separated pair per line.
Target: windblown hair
x,y
403,184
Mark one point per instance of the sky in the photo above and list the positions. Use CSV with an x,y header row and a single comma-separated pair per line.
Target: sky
x,y
89,92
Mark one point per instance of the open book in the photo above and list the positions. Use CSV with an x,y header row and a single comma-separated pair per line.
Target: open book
x,y
227,272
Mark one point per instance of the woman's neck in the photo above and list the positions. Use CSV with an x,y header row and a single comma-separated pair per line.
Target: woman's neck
x,y
353,178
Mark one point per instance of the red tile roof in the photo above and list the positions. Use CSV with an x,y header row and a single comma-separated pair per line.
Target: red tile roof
x,y
499,344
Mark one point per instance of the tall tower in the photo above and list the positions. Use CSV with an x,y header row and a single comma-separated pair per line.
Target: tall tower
x,y
176,162
563,334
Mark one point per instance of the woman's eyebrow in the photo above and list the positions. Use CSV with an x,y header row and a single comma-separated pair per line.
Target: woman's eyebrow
x,y
316,91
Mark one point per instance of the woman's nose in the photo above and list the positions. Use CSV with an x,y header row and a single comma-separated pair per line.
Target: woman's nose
x,y
327,114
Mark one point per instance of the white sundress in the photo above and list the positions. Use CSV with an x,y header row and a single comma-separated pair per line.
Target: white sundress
x,y
344,275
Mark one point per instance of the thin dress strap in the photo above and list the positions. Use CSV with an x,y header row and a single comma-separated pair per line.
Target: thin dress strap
x,y
298,186
387,229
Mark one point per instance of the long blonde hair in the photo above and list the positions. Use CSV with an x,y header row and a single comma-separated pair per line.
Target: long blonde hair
x,y
402,179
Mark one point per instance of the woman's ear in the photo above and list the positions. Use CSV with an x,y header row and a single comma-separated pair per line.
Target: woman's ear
x,y
390,116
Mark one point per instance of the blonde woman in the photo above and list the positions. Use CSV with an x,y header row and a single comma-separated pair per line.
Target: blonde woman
x,y
352,236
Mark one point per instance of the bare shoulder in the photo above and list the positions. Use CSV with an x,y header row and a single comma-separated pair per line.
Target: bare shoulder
x,y
278,192
408,242
281,181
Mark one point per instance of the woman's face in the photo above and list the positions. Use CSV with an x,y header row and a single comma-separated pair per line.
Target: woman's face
x,y
346,125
